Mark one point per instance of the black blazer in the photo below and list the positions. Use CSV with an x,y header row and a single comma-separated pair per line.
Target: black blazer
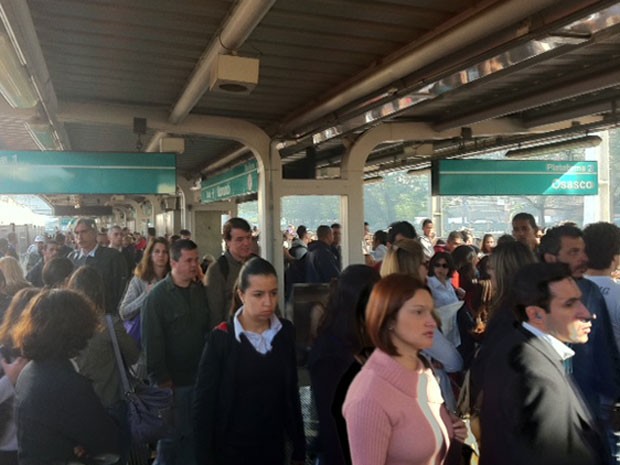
x,y
532,413
57,410
214,393
112,267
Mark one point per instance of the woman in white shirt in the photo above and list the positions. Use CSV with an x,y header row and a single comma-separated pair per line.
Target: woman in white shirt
x,y
440,270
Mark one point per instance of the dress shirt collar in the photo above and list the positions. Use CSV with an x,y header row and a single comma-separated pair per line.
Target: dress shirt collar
x,y
559,347
89,254
260,342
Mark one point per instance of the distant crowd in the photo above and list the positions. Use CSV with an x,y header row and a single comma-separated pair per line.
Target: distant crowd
x,y
433,351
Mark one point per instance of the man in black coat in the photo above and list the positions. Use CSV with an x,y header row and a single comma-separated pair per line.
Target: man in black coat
x,y
108,262
532,413
321,262
35,275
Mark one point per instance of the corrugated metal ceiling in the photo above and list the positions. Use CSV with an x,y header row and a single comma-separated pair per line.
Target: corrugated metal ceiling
x,y
141,54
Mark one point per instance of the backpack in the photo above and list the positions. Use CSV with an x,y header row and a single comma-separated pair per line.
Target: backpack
x,y
223,263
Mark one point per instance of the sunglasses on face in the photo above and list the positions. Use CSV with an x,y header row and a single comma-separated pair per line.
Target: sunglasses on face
x,y
441,265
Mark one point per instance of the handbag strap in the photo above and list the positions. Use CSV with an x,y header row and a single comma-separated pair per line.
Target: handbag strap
x,y
117,353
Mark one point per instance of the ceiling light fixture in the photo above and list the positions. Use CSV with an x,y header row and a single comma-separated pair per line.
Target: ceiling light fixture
x,y
555,147
234,74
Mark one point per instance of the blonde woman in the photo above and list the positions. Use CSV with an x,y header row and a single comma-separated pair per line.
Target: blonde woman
x,y
405,256
14,275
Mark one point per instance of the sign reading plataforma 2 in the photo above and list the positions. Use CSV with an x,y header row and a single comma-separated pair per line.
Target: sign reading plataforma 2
x,y
514,177
240,180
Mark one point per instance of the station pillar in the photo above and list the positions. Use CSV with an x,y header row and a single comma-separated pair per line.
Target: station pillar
x,y
598,207
207,225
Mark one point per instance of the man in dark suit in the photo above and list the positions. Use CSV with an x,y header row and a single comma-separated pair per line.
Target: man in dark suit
x,y
596,365
532,412
108,262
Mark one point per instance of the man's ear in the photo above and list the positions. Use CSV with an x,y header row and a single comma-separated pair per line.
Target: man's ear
x,y
550,258
534,313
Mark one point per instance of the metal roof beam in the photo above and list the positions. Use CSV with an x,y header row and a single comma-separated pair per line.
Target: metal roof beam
x,y
580,87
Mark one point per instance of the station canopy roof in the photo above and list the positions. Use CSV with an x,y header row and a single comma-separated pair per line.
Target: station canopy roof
x,y
475,75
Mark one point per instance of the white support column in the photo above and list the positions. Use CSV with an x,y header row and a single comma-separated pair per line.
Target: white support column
x,y
436,215
187,200
271,237
355,159
139,214
598,207
352,214
153,201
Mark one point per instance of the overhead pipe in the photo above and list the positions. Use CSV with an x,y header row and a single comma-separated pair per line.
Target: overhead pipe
x,y
224,160
153,145
18,23
492,18
243,20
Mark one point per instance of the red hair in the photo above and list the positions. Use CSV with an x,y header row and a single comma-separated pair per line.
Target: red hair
x,y
386,300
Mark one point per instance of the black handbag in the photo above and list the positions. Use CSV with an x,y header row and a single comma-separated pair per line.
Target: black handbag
x,y
149,408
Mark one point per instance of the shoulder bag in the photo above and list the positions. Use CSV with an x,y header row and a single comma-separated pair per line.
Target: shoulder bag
x,y
149,408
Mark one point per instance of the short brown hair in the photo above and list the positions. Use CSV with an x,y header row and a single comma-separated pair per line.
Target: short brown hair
x,y
235,223
56,324
386,300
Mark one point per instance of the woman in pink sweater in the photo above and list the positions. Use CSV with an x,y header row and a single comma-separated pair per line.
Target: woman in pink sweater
x,y
394,410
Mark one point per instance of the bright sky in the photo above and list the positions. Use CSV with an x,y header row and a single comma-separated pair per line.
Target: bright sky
x,y
12,212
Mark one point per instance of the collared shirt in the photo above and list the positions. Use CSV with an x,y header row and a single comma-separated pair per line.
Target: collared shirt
x,y
379,253
563,351
261,342
83,255
427,246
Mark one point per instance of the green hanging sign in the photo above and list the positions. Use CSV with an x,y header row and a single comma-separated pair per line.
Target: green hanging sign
x,y
87,173
240,180
514,177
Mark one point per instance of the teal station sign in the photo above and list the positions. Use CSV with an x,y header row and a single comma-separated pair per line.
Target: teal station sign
x,y
87,173
514,177
239,181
